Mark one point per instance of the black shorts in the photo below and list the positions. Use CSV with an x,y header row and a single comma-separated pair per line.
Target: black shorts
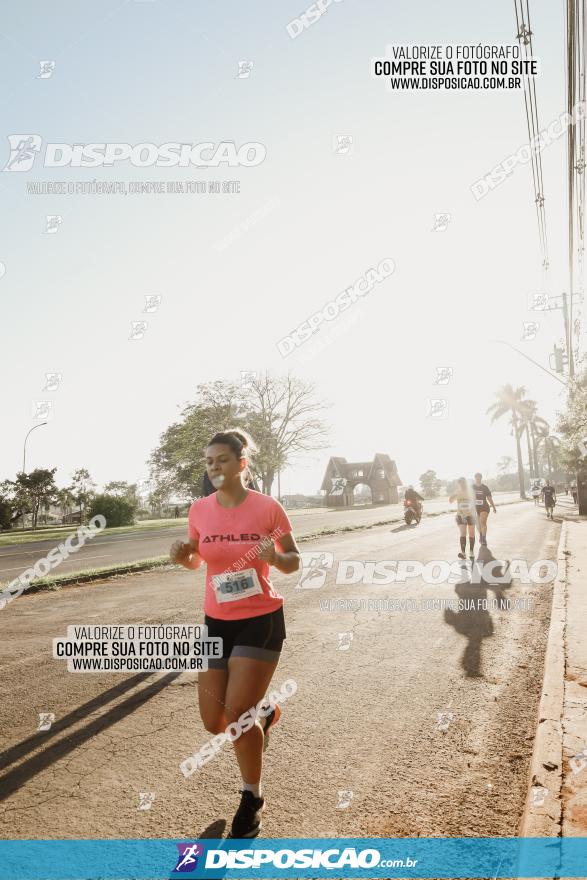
x,y
260,638
484,509
465,520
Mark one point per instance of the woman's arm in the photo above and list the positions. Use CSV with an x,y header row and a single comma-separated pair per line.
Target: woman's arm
x,y
287,561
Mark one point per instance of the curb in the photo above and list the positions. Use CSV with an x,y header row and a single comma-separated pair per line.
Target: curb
x,y
98,574
542,814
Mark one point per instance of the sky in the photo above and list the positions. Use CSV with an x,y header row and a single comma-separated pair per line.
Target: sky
x,y
238,271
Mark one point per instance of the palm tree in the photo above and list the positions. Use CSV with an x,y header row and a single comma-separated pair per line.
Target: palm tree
x,y
536,428
504,464
551,452
511,401
525,429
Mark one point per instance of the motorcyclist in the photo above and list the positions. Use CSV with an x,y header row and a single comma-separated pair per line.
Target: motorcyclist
x,y
415,498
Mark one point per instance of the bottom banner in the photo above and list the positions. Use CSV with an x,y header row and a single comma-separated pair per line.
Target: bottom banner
x,y
293,857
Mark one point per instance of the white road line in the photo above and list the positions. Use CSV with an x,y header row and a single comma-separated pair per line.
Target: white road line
x,y
111,540
102,556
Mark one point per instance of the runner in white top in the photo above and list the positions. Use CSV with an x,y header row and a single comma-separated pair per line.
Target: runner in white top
x,y
466,516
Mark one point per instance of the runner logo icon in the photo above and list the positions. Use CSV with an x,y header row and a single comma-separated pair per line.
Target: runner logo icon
x,y
187,861
314,570
23,148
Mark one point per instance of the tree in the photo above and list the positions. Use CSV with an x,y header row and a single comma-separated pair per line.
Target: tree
x,y
82,488
430,484
510,402
5,513
572,425
551,450
122,489
159,497
117,510
280,415
535,429
177,464
14,503
65,502
504,464
32,491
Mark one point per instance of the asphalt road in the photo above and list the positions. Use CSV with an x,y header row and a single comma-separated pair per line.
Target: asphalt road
x,y
123,547
364,720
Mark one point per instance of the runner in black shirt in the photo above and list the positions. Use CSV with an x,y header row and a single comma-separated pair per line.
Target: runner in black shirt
x,y
549,495
483,500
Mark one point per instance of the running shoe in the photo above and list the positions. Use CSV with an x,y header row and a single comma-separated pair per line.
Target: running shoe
x,y
247,819
462,556
472,558
270,721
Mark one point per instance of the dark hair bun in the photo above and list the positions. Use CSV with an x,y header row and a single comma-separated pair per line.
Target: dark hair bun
x,y
237,440
240,436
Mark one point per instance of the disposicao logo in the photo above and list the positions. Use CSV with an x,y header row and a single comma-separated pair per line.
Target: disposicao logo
x,y
187,861
25,147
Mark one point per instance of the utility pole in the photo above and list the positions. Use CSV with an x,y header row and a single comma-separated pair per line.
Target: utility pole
x,y
568,336
564,304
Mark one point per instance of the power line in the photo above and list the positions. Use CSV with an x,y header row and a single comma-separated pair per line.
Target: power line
x,y
524,37
575,76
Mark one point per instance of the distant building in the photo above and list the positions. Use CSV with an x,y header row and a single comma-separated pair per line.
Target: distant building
x,y
300,500
342,476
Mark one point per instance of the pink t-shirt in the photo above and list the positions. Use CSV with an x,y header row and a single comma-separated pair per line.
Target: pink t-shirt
x,y
237,581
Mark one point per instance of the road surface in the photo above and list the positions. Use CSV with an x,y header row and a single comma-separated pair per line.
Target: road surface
x,y
124,547
364,720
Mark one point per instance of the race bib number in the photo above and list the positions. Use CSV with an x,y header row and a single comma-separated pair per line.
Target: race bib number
x,y
464,507
479,502
236,585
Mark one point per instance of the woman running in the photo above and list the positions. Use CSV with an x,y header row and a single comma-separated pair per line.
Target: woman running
x,y
235,530
465,516
483,498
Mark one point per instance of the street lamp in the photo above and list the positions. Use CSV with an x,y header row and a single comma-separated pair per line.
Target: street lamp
x,y
40,425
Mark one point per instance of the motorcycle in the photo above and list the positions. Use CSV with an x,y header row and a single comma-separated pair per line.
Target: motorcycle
x,y
412,511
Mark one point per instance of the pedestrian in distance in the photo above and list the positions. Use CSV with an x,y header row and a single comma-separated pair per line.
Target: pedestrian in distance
x,y
549,495
536,493
483,504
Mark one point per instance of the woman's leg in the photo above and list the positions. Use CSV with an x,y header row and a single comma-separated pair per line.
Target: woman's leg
x,y
248,680
471,530
483,514
463,537
212,697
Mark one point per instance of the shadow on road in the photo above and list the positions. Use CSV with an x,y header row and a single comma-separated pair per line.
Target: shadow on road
x,y
503,580
472,621
18,776
403,528
214,831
